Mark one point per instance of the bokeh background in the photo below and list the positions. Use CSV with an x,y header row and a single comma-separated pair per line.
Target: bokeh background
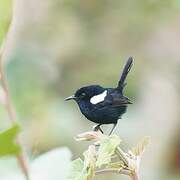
x,y
57,46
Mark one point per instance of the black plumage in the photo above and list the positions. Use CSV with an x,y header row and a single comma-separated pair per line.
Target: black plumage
x,y
104,105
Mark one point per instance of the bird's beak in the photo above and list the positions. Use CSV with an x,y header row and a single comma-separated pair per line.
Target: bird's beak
x,y
70,98
129,101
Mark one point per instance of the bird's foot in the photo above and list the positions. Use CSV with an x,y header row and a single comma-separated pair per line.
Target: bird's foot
x,y
97,128
114,125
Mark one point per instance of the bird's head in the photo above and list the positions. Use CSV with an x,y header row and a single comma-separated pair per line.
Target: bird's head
x,y
86,93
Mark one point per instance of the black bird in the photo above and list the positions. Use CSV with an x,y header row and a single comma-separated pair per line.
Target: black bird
x,y
103,105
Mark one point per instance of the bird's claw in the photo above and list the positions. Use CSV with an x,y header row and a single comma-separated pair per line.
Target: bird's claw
x,y
97,128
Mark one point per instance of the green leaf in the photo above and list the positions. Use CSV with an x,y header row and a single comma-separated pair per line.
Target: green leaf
x,y
7,141
107,148
5,17
84,170
77,170
90,161
139,149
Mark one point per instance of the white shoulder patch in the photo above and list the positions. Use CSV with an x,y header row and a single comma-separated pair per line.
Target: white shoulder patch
x,y
98,98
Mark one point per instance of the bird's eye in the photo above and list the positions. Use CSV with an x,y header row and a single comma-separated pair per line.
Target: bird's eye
x,y
83,94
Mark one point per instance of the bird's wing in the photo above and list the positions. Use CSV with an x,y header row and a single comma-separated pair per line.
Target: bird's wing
x,y
120,101
114,99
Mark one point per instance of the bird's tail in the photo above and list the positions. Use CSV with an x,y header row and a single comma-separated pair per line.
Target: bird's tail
x,y
127,67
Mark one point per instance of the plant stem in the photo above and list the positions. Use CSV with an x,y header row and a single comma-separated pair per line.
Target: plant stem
x,y
113,170
121,171
12,117
125,159
122,156
135,176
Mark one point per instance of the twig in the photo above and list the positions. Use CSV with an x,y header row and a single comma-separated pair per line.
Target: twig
x,y
122,156
128,163
135,176
113,170
12,117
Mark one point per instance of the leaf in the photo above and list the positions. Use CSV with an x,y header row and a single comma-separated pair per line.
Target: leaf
x,y
7,141
5,17
89,136
107,148
90,161
84,170
77,171
139,149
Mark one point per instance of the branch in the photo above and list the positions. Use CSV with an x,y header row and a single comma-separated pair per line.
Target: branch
x,y
122,156
113,170
135,176
106,148
12,117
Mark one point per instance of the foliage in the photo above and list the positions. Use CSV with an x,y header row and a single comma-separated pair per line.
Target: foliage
x,y
83,170
139,149
5,17
7,141
100,157
107,148
77,170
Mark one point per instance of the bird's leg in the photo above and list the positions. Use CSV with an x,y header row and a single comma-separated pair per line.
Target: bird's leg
x,y
97,127
114,125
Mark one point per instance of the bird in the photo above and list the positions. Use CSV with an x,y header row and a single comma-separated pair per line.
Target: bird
x,y
104,105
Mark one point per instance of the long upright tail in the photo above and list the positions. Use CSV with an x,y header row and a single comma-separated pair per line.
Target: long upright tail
x,y
127,67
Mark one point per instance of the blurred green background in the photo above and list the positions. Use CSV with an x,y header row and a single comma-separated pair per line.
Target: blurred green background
x,y
55,47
